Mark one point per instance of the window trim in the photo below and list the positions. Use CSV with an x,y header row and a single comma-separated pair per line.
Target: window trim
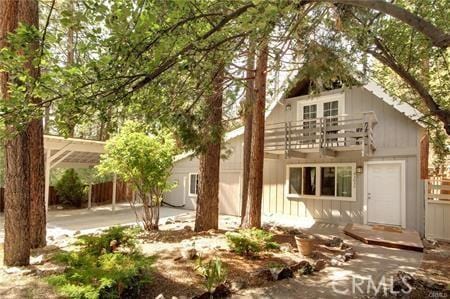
x,y
189,186
318,181
320,101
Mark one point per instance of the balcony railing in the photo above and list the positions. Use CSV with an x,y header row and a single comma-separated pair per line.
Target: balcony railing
x,y
326,135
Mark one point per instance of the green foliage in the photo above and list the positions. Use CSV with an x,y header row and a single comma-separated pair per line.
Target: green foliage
x,y
213,272
70,189
98,244
250,241
144,161
96,271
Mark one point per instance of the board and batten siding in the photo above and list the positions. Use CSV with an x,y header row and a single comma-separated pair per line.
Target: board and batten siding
x,y
230,181
396,138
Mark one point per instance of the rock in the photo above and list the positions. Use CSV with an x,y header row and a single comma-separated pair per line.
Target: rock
x,y
282,273
114,244
177,221
306,269
177,258
51,238
187,228
285,247
294,231
59,207
348,255
238,285
212,231
19,270
334,242
222,291
264,274
169,221
188,253
160,296
335,263
50,269
77,233
429,244
298,266
37,260
320,265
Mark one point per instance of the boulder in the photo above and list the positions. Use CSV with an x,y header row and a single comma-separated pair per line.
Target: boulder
x,y
306,270
334,242
77,232
264,274
286,247
238,285
188,253
298,266
222,291
160,296
282,273
187,228
335,262
37,260
320,265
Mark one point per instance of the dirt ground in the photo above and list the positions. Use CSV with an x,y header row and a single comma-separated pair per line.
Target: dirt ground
x,y
177,276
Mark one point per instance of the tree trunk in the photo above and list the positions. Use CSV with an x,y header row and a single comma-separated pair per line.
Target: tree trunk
x,y
17,181
254,202
29,14
207,213
247,113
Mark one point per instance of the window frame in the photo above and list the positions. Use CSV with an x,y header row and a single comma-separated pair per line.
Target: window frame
x,y
189,186
319,181
320,102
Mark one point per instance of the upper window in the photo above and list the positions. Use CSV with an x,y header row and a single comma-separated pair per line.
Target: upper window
x,y
193,184
330,181
321,106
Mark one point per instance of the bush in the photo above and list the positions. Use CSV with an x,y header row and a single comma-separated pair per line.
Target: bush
x,y
99,270
250,241
213,272
70,189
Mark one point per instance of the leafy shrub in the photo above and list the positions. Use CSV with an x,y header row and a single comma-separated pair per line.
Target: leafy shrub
x,y
96,271
70,189
250,241
213,272
98,244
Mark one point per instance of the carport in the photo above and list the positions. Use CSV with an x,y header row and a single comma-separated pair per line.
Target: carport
x,y
73,153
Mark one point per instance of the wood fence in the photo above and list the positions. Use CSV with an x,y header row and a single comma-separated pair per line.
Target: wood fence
x,y
101,194
437,208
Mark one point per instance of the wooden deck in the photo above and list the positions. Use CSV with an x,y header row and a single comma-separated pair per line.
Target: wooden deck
x,y
385,236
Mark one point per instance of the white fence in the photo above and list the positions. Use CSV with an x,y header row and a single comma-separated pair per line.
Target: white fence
x,y
437,209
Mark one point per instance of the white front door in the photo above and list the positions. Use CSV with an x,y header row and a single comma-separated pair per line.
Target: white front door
x,y
384,193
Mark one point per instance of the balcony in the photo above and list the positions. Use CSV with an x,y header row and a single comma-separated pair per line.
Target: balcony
x,y
327,136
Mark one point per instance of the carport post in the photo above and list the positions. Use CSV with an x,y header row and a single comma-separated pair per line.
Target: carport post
x,y
90,196
47,179
114,193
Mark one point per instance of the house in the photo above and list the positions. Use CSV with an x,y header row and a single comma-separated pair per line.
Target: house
x,y
347,155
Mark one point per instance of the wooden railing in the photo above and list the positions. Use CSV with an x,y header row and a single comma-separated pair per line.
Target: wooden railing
x,y
354,131
437,208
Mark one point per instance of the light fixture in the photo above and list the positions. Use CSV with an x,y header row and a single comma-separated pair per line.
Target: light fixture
x,y
288,107
359,169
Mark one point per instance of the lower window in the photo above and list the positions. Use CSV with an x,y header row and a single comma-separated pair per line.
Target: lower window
x,y
330,181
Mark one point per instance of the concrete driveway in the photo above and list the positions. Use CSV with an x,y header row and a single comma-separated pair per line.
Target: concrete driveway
x,y
61,222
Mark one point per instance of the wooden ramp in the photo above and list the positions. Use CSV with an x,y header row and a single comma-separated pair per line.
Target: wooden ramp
x,y
385,236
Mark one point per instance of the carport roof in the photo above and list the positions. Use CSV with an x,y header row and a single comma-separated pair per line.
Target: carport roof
x,y
72,152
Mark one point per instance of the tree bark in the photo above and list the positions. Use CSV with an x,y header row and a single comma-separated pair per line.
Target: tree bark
x,y
29,14
254,202
437,37
207,212
248,115
17,160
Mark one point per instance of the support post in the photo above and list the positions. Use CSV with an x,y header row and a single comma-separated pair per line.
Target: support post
x,y
47,180
114,193
90,196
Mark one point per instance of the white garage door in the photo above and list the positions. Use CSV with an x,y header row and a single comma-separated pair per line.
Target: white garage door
x,y
230,193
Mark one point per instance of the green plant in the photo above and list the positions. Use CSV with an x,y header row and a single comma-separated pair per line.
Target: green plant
x,y
70,189
213,273
96,271
144,161
250,241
